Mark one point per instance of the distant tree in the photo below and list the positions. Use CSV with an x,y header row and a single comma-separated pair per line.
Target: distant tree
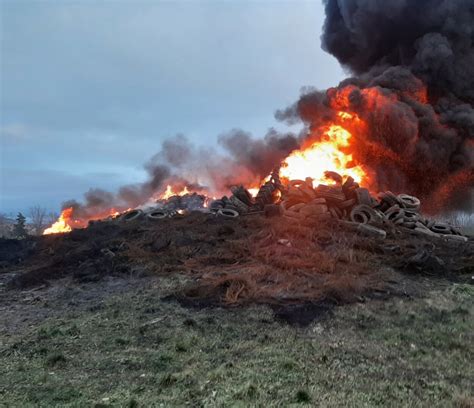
x,y
5,226
38,215
52,218
19,230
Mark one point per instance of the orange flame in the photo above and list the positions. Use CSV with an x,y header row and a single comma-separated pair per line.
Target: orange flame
x,y
171,191
253,191
62,224
329,154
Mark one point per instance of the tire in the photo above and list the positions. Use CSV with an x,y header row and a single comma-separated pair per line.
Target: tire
x,y
389,198
131,215
239,204
157,215
288,203
333,194
441,228
359,217
364,214
394,213
227,213
336,177
409,202
410,216
242,195
295,193
458,238
346,204
363,196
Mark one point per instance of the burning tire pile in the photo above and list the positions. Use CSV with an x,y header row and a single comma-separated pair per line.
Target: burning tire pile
x,y
299,201
347,201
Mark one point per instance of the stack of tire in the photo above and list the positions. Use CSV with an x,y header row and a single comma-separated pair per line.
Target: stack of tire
x,y
151,214
240,202
302,201
404,211
265,195
350,202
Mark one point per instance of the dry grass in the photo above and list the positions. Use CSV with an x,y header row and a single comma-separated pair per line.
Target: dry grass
x,y
284,264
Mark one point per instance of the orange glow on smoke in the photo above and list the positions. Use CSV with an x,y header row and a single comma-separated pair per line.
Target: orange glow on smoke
x,y
328,154
62,224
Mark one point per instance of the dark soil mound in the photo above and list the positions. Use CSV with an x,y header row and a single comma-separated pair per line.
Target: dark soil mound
x,y
249,259
13,251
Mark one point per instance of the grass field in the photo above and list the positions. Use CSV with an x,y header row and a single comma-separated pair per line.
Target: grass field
x,y
134,350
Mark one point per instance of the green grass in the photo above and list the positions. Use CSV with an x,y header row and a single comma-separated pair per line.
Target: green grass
x,y
138,351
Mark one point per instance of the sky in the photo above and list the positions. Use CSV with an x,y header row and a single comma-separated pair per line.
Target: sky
x,y
89,89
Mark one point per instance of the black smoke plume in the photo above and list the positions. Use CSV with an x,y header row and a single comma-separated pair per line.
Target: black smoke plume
x,y
413,85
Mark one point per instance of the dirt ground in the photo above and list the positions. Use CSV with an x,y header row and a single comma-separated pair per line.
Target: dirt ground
x,y
200,311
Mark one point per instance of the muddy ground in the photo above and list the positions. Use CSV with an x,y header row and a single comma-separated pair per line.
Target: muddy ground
x,y
205,311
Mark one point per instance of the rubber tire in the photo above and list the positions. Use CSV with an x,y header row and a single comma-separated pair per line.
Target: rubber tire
x,y
157,215
131,215
440,228
409,202
227,213
364,212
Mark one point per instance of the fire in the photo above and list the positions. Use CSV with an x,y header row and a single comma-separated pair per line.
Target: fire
x,y
113,213
254,188
62,224
329,154
170,192
253,191
345,115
